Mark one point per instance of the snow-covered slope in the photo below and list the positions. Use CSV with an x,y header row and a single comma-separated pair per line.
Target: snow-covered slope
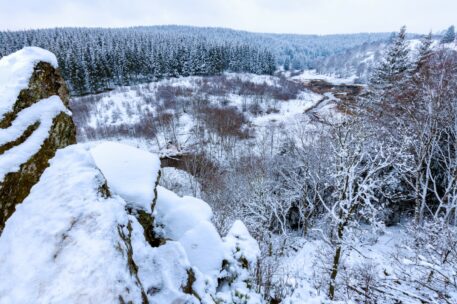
x,y
77,238
166,115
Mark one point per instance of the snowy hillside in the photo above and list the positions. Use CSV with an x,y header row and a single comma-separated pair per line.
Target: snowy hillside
x,y
171,111
359,62
96,60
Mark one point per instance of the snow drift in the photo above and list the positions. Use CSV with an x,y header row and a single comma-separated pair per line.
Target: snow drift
x,y
78,237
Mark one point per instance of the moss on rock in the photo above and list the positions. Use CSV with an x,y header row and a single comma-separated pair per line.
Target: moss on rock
x,y
15,187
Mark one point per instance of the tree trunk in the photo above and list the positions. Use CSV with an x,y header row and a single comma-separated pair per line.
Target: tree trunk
x,y
336,263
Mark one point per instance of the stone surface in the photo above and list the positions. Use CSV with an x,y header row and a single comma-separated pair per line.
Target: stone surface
x,y
45,81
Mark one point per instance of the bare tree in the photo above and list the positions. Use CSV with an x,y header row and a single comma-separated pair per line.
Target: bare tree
x,y
360,170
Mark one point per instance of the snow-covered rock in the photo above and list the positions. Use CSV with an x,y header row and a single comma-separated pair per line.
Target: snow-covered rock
x,y
78,237
43,112
34,122
176,215
133,178
180,182
65,242
242,252
16,71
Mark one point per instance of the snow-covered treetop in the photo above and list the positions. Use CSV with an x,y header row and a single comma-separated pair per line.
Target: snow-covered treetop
x,y
15,72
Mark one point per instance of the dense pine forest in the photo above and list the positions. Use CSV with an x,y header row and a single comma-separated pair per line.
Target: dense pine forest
x,y
95,60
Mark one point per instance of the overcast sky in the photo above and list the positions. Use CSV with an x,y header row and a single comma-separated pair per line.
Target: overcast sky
x,y
278,16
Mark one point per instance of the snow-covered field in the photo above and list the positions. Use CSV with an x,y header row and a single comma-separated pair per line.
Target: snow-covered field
x,y
313,75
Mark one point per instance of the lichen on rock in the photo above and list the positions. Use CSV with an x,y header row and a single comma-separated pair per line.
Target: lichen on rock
x,y
44,81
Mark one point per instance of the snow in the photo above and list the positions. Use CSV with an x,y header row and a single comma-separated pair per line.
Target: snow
x,y
180,182
414,44
288,111
130,172
188,220
69,243
235,279
241,242
313,75
451,46
254,78
120,107
43,112
15,72
129,106
178,214
297,268
162,270
59,245
204,248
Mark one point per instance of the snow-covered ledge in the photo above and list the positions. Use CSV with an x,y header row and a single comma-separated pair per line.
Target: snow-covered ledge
x,y
76,239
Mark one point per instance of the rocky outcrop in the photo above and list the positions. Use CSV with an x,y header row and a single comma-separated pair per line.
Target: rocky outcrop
x,y
87,233
44,82
97,228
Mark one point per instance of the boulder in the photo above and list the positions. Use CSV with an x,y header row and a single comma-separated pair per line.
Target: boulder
x,y
34,122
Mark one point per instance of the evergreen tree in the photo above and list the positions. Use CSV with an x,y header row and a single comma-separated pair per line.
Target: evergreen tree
x,y
287,64
93,60
425,50
394,67
449,36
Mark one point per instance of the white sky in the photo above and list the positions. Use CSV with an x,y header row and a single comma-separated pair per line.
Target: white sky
x,y
277,16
